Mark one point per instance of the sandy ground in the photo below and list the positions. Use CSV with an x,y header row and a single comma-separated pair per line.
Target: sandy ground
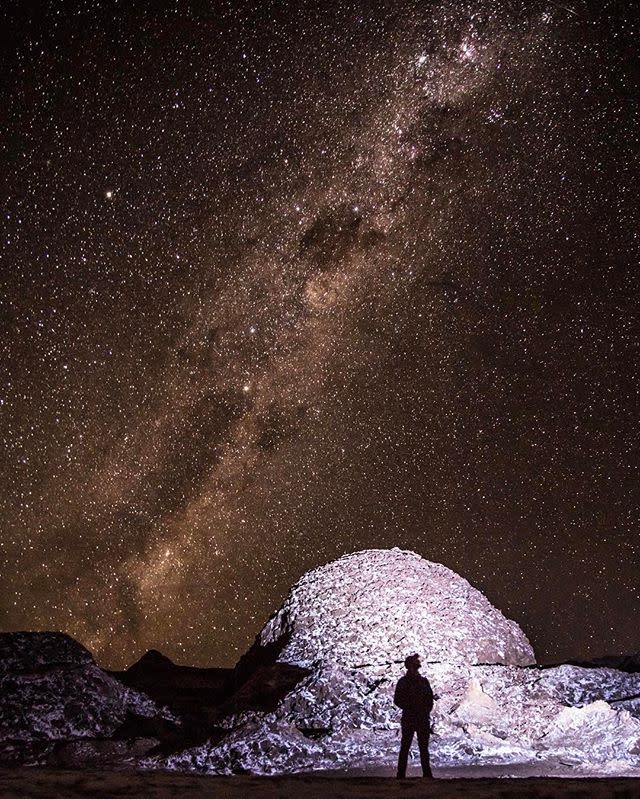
x,y
46,784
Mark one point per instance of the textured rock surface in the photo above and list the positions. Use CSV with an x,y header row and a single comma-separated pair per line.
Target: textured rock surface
x,y
327,703
30,653
377,606
507,716
350,622
52,690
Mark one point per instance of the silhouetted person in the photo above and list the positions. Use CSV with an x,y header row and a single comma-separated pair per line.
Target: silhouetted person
x,y
414,696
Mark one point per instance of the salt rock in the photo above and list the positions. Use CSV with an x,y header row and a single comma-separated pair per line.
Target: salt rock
x,y
29,652
372,608
51,689
606,734
476,706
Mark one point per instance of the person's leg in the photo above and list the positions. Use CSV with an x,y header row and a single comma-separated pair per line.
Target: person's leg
x,y
405,746
423,743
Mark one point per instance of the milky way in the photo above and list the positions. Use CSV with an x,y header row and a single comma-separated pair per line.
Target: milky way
x,y
284,282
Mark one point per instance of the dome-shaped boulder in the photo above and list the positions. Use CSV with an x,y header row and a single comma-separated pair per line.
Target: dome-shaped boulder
x,y
376,606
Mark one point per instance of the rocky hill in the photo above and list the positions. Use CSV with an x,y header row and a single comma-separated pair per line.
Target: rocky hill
x,y
377,606
315,690
352,622
54,698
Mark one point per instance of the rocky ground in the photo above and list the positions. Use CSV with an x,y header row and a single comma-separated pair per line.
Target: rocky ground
x,y
43,784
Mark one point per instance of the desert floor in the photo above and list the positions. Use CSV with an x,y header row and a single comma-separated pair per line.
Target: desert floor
x,y
47,784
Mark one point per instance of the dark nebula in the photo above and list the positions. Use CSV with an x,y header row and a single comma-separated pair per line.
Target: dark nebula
x,y
284,281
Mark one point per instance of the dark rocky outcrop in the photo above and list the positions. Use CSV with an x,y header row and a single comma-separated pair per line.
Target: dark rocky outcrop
x,y
184,689
264,687
52,690
58,708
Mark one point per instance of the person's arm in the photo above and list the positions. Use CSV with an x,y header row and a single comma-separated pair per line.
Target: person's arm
x,y
430,696
399,697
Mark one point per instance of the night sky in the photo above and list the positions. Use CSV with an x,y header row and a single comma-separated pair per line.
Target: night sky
x,y
285,281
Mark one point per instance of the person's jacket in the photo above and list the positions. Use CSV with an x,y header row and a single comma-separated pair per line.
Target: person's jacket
x,y
414,696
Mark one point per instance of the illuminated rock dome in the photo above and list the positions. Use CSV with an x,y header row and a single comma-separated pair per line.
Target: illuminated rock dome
x,y
374,607
348,626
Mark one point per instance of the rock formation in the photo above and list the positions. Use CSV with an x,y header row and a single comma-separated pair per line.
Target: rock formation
x,y
184,689
352,622
375,607
51,690
315,691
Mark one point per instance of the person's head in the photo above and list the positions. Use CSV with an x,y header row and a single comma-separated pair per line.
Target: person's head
x,y
412,663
